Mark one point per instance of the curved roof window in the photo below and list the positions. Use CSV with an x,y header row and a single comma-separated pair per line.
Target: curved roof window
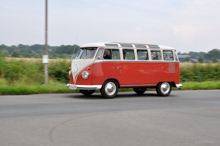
x,y
140,46
126,45
111,45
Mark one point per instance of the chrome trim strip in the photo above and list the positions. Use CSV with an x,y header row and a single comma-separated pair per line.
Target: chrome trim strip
x,y
84,87
147,85
179,86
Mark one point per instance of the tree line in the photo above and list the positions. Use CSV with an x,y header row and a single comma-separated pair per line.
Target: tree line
x,y
66,51
37,50
212,55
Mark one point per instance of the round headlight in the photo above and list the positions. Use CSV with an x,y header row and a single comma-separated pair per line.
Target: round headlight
x,y
85,75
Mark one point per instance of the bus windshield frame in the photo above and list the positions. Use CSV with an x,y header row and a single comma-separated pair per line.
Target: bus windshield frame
x,y
86,53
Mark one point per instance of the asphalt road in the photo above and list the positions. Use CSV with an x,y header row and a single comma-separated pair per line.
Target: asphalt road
x,y
185,118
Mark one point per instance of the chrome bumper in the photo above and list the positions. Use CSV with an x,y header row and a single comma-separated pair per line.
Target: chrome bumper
x,y
84,87
179,86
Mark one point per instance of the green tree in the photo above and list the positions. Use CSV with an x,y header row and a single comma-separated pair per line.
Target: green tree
x,y
196,54
15,53
187,59
5,52
201,59
215,53
214,60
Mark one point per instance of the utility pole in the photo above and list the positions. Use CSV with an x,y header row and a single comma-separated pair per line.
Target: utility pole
x,y
45,57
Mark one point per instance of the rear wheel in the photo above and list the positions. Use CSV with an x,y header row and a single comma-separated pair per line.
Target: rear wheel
x,y
87,92
164,89
109,89
140,90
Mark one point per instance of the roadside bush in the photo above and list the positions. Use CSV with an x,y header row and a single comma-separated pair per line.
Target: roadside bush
x,y
60,70
186,75
200,72
2,65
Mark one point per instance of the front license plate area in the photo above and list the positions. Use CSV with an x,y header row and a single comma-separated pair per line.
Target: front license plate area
x,y
72,87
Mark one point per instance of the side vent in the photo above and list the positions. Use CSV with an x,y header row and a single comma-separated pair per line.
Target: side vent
x,y
171,67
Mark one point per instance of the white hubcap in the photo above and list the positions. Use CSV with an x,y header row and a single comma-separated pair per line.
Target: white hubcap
x,y
165,87
110,88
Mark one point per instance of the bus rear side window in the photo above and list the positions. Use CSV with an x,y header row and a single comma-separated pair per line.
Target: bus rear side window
x,y
142,55
115,54
155,55
168,55
128,54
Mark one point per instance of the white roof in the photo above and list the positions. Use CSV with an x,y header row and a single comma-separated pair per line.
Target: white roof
x,y
102,44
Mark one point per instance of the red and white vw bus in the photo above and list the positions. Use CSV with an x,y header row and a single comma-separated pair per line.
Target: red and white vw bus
x,y
127,65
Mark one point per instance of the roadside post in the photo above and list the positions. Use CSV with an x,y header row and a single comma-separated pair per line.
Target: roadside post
x,y
45,57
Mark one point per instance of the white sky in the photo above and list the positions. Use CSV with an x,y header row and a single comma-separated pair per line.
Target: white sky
x,y
187,25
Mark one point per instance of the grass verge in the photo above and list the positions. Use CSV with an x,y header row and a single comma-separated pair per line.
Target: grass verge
x,y
33,89
56,87
207,85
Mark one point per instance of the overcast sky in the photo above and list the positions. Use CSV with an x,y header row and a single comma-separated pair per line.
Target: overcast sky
x,y
187,25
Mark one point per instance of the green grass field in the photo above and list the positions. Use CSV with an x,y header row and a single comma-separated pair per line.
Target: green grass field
x,y
26,76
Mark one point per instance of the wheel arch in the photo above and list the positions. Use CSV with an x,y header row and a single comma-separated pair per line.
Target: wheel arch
x,y
112,79
171,83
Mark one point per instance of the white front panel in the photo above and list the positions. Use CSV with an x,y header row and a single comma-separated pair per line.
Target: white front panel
x,y
78,65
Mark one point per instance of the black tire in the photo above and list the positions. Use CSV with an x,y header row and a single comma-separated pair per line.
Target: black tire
x,y
87,92
140,91
109,89
164,89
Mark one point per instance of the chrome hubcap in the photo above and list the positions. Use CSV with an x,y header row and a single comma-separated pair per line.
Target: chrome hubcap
x,y
165,87
110,88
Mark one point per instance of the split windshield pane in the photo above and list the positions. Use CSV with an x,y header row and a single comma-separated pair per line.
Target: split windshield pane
x,y
87,53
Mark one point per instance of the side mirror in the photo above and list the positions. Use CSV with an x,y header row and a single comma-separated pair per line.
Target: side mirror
x,y
98,57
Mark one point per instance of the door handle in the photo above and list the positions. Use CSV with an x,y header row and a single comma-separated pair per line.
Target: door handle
x,y
118,66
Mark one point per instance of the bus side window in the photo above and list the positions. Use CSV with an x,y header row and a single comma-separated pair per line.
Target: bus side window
x,y
168,55
100,53
142,55
128,54
155,55
115,54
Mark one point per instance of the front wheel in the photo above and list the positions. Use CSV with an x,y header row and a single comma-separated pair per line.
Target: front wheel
x,y
140,90
164,89
109,89
87,92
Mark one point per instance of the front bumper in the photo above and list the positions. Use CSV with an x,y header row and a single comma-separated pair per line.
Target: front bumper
x,y
84,87
179,86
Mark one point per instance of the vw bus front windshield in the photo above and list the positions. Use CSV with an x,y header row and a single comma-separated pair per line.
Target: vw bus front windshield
x,y
86,53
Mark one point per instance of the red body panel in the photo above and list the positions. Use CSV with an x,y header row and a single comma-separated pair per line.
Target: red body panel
x,y
71,77
131,73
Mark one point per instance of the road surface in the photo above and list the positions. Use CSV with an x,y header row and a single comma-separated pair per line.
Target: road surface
x,y
185,118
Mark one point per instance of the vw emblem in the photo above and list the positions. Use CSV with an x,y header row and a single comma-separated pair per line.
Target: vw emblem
x,y
75,68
